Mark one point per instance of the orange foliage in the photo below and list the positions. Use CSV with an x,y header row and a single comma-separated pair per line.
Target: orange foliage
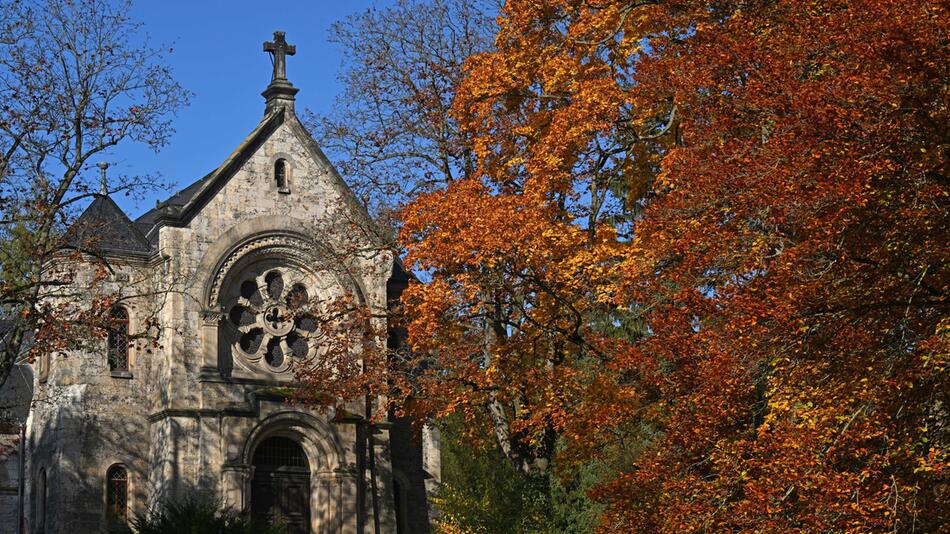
x,y
765,185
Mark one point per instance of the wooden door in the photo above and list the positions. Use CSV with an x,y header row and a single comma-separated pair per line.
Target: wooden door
x,y
283,497
280,490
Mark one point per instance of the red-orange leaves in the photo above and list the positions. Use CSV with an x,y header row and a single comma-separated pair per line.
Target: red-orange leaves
x,y
762,187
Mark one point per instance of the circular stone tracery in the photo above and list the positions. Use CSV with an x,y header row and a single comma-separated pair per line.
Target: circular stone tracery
x,y
277,321
270,319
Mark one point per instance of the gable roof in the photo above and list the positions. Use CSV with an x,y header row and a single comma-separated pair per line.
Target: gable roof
x,y
181,208
183,205
105,229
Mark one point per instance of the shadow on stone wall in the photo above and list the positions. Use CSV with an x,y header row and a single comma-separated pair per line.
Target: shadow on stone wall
x,y
79,439
408,465
15,398
77,444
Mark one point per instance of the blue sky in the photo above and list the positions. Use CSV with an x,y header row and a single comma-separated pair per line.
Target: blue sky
x,y
217,55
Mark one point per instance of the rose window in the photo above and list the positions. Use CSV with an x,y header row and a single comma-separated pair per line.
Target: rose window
x,y
270,320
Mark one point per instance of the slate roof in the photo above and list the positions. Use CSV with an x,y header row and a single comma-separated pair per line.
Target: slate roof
x,y
105,229
147,223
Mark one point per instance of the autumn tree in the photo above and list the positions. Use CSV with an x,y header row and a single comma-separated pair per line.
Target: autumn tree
x,y
763,185
523,255
396,140
76,79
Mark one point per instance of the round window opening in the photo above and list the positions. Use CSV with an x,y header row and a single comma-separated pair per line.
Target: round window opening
x,y
271,318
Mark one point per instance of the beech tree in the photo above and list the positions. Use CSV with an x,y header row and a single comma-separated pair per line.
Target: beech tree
x,y
399,142
76,79
705,242
764,185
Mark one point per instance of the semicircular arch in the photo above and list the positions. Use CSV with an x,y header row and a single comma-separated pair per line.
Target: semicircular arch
x,y
320,442
271,237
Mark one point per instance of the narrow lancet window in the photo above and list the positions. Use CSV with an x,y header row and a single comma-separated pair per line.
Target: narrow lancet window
x,y
280,176
117,495
119,340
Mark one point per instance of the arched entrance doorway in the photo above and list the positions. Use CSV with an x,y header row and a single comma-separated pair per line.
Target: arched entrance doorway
x,y
280,489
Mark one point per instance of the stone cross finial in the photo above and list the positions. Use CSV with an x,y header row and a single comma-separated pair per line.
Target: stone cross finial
x,y
279,50
103,190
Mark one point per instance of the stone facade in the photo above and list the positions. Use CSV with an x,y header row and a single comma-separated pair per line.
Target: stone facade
x,y
202,390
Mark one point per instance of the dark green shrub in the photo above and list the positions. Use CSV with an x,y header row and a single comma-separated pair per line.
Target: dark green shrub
x,y
199,515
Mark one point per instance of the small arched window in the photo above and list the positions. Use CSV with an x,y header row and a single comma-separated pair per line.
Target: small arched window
x,y
280,176
117,495
119,340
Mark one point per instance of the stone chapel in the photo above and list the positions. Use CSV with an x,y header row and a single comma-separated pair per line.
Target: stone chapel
x,y
123,427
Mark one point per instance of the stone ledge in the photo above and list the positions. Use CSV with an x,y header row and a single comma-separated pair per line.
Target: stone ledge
x,y
217,378
199,413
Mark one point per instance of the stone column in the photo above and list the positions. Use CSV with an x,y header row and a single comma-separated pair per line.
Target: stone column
x,y
383,498
344,520
324,503
432,457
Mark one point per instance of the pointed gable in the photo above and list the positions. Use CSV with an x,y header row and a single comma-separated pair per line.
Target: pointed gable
x,y
184,205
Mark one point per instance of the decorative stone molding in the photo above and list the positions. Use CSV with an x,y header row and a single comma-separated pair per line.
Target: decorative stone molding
x,y
268,235
319,440
292,247
211,317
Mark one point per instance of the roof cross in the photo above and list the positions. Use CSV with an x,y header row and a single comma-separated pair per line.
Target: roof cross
x,y
279,50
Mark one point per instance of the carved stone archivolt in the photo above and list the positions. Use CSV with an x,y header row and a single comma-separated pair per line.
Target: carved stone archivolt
x,y
288,246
